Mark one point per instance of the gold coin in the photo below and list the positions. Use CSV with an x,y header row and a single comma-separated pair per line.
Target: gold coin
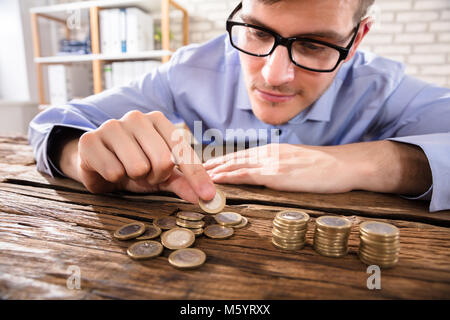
x,y
145,249
333,254
166,223
287,247
216,231
330,249
190,215
151,232
380,263
227,218
190,224
292,217
187,258
379,244
289,227
331,234
215,205
242,224
379,230
333,223
300,236
130,231
177,238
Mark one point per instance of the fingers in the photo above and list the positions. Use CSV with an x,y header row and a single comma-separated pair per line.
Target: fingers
x,y
237,157
118,140
94,156
186,158
233,166
178,184
155,149
240,176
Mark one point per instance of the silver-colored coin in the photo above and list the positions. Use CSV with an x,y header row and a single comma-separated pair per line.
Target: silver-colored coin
x,y
145,249
292,216
166,223
151,232
242,224
130,231
177,238
187,258
190,224
227,218
215,205
190,215
217,231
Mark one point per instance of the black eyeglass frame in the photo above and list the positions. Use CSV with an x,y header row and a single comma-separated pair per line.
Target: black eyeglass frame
x,y
287,42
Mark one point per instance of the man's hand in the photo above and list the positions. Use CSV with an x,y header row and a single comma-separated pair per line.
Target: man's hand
x,y
381,166
136,154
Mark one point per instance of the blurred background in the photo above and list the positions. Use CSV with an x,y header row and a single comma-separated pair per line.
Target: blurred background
x,y
415,32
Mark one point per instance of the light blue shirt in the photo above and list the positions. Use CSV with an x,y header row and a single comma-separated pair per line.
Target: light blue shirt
x,y
370,99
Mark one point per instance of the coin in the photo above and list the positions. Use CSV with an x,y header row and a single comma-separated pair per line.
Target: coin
x,y
331,236
227,218
197,231
287,247
130,231
379,244
177,238
379,230
190,215
218,232
190,224
145,249
292,216
215,205
151,232
187,258
242,224
333,223
166,223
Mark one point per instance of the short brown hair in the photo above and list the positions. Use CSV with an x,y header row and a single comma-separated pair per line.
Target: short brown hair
x,y
360,12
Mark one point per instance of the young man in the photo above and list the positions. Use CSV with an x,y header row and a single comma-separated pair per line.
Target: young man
x,y
347,119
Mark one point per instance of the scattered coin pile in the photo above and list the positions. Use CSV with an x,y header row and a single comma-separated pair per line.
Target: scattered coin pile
x,y
331,236
289,229
379,244
180,233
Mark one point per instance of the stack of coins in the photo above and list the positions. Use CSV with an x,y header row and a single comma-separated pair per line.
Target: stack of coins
x,y
191,220
289,229
379,244
331,236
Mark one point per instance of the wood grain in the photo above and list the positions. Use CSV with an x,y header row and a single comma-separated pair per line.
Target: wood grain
x,y
47,225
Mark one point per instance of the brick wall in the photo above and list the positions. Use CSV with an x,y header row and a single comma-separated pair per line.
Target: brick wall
x,y
416,32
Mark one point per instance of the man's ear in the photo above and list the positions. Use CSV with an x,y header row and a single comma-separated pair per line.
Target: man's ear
x,y
364,28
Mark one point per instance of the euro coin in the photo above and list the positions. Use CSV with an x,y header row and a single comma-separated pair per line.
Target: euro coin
x,y
291,217
190,224
227,218
190,215
187,258
331,236
215,205
166,223
287,246
177,238
130,231
379,244
151,232
242,224
145,249
216,231
197,231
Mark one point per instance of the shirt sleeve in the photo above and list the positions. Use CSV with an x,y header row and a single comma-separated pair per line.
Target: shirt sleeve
x,y
148,93
418,113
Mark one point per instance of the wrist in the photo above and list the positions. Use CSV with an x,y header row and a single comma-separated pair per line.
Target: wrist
x,y
68,159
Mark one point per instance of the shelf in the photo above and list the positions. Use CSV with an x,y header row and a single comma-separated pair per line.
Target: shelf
x,y
149,5
104,57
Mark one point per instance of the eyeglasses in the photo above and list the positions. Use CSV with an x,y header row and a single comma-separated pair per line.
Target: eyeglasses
x,y
310,54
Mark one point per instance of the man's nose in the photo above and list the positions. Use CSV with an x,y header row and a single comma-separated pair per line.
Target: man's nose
x,y
278,68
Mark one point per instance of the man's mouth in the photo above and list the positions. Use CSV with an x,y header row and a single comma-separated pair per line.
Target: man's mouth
x,y
276,97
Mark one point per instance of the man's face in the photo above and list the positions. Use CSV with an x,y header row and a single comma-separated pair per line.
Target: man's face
x,y
278,89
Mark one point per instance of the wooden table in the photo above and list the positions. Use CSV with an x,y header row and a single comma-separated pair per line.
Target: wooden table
x,y
50,226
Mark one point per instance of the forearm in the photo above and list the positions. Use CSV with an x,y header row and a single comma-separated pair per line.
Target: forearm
x,y
67,158
391,167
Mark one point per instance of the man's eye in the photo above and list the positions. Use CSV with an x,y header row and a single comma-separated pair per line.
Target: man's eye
x,y
260,34
311,46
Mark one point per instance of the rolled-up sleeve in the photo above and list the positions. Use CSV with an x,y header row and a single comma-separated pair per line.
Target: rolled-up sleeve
x,y
418,113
